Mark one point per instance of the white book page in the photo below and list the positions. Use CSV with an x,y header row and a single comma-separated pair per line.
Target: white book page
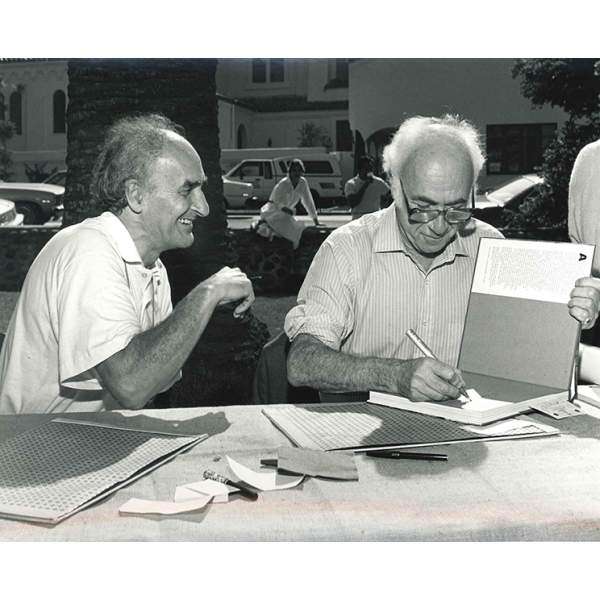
x,y
531,270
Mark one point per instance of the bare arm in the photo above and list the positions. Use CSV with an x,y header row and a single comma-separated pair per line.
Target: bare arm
x,y
312,363
153,358
355,199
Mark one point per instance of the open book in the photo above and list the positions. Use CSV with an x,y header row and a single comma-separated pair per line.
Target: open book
x,y
519,341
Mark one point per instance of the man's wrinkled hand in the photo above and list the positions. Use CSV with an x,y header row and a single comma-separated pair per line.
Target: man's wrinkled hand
x,y
432,380
231,285
585,301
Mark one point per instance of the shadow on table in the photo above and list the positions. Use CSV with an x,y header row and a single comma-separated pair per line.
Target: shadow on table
x,y
398,428
59,451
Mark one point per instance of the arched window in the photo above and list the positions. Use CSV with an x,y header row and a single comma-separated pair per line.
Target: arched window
x,y
2,108
59,108
15,111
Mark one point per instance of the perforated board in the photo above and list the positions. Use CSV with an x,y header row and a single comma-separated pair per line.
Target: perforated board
x,y
50,472
353,426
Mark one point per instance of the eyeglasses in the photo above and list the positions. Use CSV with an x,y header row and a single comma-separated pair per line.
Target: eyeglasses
x,y
453,216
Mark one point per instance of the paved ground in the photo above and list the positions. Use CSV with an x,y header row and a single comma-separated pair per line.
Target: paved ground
x,y
270,310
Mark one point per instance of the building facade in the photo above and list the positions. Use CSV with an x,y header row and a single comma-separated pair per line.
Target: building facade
x,y
345,105
34,97
384,92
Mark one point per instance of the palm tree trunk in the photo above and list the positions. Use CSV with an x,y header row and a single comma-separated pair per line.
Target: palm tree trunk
x,y
222,365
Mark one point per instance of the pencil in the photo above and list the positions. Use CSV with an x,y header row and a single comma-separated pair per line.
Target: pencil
x,y
242,487
424,348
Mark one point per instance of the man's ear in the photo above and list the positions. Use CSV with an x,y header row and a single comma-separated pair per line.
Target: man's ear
x,y
133,195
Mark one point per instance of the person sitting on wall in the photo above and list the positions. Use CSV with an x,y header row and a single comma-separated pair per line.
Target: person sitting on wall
x,y
277,216
94,327
366,193
408,266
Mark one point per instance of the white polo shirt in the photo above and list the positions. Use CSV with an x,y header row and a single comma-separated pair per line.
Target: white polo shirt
x,y
86,295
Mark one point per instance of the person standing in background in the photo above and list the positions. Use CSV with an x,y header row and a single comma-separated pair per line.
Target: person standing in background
x,y
365,192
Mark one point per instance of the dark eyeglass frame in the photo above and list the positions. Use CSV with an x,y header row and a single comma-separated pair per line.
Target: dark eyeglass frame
x,y
460,216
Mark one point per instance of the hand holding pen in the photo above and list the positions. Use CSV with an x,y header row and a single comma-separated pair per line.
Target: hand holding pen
x,y
434,380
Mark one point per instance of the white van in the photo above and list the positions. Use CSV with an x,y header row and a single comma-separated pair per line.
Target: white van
x,y
322,173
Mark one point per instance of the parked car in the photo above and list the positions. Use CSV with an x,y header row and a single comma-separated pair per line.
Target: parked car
x,y
237,194
510,195
37,202
9,217
322,173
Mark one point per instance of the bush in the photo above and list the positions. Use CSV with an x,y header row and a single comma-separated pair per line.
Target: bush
x,y
549,206
38,172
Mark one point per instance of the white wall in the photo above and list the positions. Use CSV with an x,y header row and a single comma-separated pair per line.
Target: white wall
x,y
283,128
384,92
37,143
234,79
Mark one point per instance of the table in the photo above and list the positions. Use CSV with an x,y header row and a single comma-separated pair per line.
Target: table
x,y
536,489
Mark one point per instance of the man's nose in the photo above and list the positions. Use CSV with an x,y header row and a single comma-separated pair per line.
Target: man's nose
x,y
199,202
439,225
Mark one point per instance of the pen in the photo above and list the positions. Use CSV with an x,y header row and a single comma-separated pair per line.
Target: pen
x,y
424,348
242,487
409,455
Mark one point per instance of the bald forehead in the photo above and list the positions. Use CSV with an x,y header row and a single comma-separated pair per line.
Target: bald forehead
x,y
439,157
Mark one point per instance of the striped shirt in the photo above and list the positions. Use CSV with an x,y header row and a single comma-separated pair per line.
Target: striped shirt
x,y
363,291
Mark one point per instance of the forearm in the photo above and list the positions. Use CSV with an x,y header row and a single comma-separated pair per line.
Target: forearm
x,y
355,199
311,363
153,358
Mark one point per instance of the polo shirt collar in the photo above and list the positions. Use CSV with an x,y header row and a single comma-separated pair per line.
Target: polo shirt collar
x,y
123,240
389,239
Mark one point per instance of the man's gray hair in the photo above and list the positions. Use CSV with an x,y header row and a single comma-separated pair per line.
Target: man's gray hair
x,y
414,131
130,148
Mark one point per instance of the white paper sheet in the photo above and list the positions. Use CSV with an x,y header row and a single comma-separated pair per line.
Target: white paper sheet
x,y
508,427
158,507
217,490
543,271
478,402
265,481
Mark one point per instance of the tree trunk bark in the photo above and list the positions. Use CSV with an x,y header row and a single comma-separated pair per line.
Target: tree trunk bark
x,y
221,367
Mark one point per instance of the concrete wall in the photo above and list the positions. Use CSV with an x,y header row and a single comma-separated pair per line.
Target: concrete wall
x,y
37,143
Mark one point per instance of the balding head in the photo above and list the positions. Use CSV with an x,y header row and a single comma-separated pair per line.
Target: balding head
x,y
420,132
441,160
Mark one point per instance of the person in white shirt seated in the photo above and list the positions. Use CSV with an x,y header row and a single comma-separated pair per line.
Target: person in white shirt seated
x,y
277,216
94,328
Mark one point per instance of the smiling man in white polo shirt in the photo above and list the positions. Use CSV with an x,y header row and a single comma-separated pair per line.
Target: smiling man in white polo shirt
x,y
94,327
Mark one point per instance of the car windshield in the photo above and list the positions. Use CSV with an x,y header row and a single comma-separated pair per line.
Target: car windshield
x,y
513,188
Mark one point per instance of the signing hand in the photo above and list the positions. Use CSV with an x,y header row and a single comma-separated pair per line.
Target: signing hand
x,y
432,380
585,301
230,285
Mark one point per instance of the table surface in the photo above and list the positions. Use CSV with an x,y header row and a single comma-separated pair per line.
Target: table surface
x,y
532,489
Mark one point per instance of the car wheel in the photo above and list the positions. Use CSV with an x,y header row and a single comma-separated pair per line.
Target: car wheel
x,y
31,213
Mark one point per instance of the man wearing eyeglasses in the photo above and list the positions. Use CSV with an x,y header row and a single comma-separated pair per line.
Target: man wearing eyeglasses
x,y
408,266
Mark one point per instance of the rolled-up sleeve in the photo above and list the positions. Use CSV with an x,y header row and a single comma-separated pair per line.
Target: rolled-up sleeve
x,y
325,307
